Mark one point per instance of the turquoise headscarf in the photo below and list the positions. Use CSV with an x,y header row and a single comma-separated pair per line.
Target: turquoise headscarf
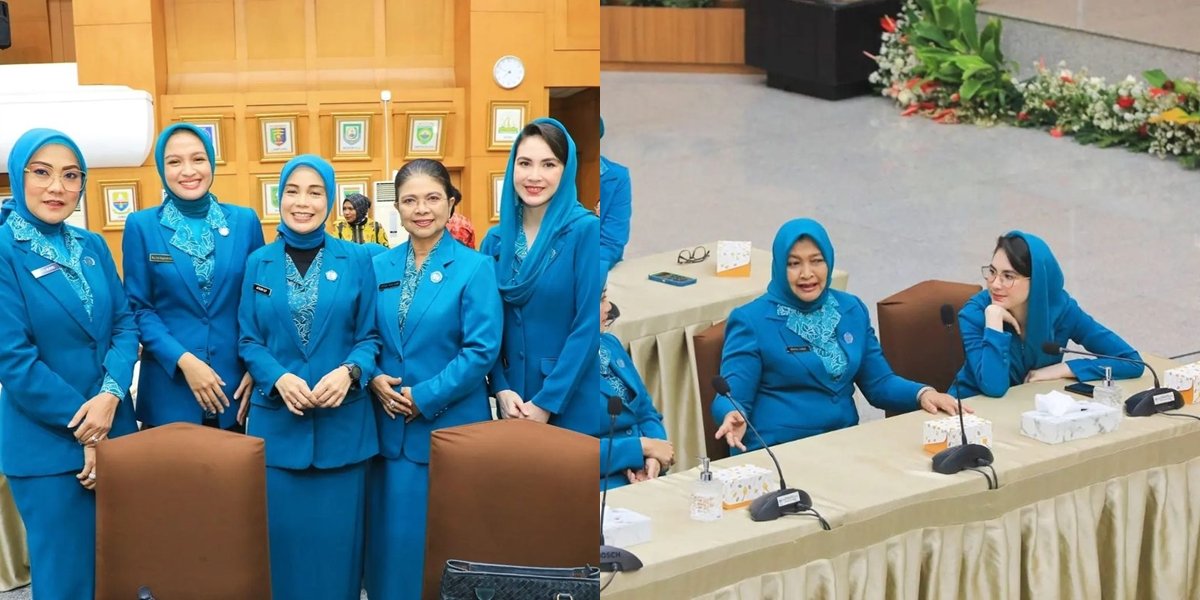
x,y
314,238
779,290
197,208
27,145
563,210
1047,296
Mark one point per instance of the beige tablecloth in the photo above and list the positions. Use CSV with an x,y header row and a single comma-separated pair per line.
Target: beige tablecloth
x,y
14,557
657,324
1111,516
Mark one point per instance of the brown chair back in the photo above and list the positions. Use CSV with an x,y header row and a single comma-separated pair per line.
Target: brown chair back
x,y
708,345
182,509
511,492
915,342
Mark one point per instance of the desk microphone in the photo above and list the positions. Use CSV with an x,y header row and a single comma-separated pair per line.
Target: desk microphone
x,y
966,456
1142,404
785,500
613,558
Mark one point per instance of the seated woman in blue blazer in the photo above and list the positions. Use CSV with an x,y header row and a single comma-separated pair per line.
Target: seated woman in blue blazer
x,y
1024,306
639,447
547,264
184,263
439,315
68,343
793,355
307,320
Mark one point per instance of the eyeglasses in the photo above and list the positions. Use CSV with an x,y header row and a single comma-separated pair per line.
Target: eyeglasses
x,y
1007,278
72,179
693,256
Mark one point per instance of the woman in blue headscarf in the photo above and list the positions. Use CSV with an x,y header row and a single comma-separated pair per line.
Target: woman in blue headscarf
x,y
307,319
548,267
1024,306
68,343
184,263
793,355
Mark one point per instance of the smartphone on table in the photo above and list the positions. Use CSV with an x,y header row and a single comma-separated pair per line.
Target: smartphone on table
x,y
672,279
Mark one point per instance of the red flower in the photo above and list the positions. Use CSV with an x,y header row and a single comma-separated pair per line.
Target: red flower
x,y
1125,102
928,106
1022,116
1156,92
910,111
928,85
888,24
955,97
1181,98
1056,132
1050,103
1144,130
1066,79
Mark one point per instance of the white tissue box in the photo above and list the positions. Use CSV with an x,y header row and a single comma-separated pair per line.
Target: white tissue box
x,y
743,484
1094,418
624,528
944,433
1183,379
733,259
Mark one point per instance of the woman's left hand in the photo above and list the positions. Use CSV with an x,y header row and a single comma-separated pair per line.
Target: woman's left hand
x,y
331,389
94,418
933,401
1050,373
244,389
87,477
533,412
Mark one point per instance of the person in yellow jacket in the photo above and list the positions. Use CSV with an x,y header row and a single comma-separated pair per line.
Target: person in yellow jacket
x,y
356,224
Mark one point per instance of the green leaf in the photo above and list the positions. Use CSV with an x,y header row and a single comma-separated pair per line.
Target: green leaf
x,y
1156,78
947,20
988,53
930,32
926,6
967,24
960,46
969,88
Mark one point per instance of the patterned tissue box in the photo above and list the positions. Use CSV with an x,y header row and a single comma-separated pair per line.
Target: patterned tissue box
x,y
733,259
624,528
944,433
743,484
1093,419
1183,379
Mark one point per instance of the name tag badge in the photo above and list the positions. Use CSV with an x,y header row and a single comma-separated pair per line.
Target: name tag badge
x,y
44,271
795,349
262,289
389,285
161,258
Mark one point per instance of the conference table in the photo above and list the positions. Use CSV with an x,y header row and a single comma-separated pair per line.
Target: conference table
x,y
1108,516
658,321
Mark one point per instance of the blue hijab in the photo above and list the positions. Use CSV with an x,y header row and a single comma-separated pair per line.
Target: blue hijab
x,y
1047,297
316,237
198,208
779,290
563,210
27,145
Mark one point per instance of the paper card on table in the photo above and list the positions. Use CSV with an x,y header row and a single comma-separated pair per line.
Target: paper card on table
x,y
733,259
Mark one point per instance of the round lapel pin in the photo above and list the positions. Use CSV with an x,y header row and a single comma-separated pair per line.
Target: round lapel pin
x,y
620,363
331,275
89,261
224,231
848,337
436,277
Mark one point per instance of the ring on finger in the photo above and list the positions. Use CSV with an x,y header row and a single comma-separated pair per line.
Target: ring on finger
x,y
92,475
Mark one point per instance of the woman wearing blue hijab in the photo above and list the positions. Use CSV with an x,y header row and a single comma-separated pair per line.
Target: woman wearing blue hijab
x,y
1024,306
793,356
307,320
68,343
546,249
184,263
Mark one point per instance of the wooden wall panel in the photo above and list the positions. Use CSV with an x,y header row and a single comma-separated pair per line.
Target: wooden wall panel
x,y
31,33
203,30
638,34
117,54
113,12
420,32
275,30
345,29
576,24
580,113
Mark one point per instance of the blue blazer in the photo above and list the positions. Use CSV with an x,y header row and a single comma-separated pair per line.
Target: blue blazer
x,y
53,358
616,210
343,331
550,353
638,418
451,339
997,360
782,384
173,319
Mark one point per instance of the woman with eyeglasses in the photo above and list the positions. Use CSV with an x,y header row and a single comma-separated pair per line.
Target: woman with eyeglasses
x,y
184,262
794,355
68,343
1025,305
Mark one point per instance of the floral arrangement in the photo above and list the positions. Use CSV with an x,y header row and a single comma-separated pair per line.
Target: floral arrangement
x,y
1156,114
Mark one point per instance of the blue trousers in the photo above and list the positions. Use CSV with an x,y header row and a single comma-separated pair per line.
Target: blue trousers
x,y
60,524
399,496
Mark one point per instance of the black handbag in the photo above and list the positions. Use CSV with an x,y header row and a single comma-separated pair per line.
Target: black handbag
x,y
464,580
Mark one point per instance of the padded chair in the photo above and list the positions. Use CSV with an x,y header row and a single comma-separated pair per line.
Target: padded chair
x,y
182,510
708,345
511,492
915,341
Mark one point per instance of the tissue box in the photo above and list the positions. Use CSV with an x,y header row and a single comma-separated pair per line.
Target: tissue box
x,y
624,528
743,484
1094,418
733,259
943,433
1183,379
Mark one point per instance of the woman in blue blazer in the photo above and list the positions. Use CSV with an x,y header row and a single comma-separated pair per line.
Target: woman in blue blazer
x,y
616,209
307,320
793,355
1024,306
547,264
184,263
68,343
638,449
439,315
